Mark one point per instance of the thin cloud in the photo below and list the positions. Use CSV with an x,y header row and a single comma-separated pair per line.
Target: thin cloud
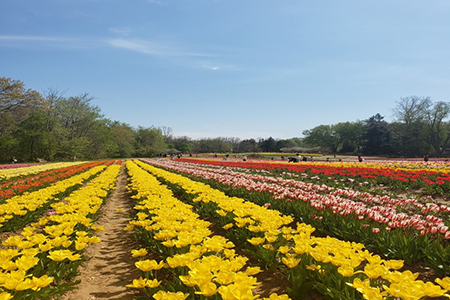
x,y
217,66
124,31
22,38
152,48
42,42
202,60
155,2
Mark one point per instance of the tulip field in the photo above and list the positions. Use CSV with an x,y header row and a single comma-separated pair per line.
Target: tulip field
x,y
211,229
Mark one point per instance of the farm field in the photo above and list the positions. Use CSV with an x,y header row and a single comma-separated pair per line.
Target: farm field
x,y
215,229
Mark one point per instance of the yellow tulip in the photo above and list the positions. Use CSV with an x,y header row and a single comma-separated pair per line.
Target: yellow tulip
x,y
139,252
41,282
27,284
14,279
45,247
432,290
138,283
207,289
6,254
26,262
59,255
374,270
152,283
393,264
5,296
74,257
8,265
187,280
347,271
225,277
256,241
277,297
229,253
66,244
94,239
80,245
163,295
444,282
221,212
233,292
149,265
228,226
169,243
269,247
253,270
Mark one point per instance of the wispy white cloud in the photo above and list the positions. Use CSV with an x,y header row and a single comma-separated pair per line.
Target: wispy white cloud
x,y
159,2
124,31
183,55
24,38
154,48
217,66
26,41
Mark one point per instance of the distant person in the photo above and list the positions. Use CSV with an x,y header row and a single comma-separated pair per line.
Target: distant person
x,y
425,158
13,160
244,158
360,159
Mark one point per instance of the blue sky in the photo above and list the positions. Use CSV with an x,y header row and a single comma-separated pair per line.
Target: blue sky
x,y
229,68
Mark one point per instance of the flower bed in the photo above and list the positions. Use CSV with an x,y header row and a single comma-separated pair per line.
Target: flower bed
x,y
201,263
322,258
41,262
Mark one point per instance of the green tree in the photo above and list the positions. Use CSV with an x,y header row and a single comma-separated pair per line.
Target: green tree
x,y
436,129
149,142
35,141
268,145
16,104
351,136
212,145
124,139
182,144
377,136
76,118
408,132
246,146
324,136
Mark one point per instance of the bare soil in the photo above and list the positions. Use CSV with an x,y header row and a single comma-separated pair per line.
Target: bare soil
x,y
111,266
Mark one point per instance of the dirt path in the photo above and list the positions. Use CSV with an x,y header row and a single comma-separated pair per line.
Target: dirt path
x,y
111,266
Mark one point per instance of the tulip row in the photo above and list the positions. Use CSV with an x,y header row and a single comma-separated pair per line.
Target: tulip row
x,y
23,171
42,261
14,166
202,265
19,210
346,218
433,180
326,264
28,183
382,209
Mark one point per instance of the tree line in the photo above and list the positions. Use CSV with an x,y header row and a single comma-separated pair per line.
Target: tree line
x,y
51,126
421,128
